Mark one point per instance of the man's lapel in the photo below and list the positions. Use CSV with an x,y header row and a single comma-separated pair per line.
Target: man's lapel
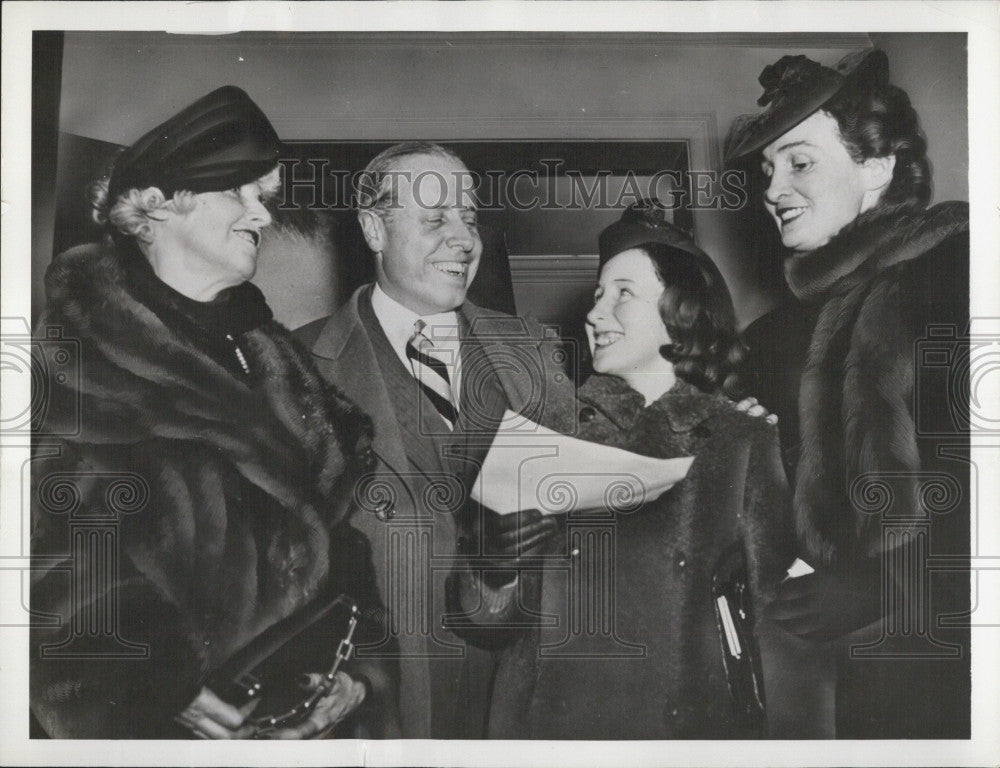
x,y
346,350
481,407
493,339
527,370
416,418
407,415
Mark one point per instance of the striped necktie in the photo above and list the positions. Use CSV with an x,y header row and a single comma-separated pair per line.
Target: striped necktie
x,y
431,373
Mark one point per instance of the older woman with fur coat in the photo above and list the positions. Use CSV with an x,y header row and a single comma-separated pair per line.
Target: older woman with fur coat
x,y
199,438
880,478
657,603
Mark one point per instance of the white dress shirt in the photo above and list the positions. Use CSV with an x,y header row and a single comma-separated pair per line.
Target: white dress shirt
x,y
442,329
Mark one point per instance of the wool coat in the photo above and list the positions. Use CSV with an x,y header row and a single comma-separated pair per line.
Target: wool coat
x,y
649,664
409,506
178,510
882,452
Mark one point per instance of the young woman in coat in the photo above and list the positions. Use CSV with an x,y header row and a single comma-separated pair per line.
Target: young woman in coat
x,y
881,477
641,648
198,438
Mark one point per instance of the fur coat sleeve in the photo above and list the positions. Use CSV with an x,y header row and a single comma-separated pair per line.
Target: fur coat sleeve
x,y
177,511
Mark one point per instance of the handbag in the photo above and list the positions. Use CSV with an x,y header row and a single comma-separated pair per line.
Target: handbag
x,y
740,652
270,667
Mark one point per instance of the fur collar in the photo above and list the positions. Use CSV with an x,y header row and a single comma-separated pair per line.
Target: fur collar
x,y
284,429
683,406
873,242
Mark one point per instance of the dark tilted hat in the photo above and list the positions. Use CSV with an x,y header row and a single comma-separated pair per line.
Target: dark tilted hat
x,y
222,141
795,87
644,222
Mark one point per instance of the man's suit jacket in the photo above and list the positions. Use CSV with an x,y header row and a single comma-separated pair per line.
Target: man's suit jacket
x,y
408,507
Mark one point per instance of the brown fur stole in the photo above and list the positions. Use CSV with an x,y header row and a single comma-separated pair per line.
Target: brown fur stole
x,y
856,393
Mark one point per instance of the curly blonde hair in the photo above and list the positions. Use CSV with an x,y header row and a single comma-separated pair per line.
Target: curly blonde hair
x,y
131,212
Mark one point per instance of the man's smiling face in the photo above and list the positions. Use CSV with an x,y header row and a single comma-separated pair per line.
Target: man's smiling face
x,y
427,245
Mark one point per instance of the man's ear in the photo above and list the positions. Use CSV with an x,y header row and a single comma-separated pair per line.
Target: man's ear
x,y
373,228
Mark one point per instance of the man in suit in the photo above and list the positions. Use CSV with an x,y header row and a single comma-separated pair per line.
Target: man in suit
x,y
437,373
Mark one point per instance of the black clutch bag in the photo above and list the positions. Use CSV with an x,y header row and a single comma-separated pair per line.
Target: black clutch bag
x,y
740,653
271,667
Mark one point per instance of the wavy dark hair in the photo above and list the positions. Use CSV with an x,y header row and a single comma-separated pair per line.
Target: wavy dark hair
x,y
878,121
698,313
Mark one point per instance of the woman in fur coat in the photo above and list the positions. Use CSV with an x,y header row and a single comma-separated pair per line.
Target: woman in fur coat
x,y
657,605
880,478
195,452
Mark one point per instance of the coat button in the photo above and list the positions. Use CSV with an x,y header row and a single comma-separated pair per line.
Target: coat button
x,y
587,414
384,510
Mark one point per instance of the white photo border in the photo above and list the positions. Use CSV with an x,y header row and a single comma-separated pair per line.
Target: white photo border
x,y
981,20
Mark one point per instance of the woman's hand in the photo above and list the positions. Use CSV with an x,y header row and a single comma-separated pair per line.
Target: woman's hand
x,y
822,606
209,717
751,407
345,696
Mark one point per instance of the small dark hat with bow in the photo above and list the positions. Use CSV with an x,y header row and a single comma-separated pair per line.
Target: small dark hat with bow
x,y
794,88
644,222
221,141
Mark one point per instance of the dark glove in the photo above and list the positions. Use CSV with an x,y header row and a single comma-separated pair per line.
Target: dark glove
x,y
506,540
824,605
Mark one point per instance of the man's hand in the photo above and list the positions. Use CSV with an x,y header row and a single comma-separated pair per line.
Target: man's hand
x,y
822,605
507,539
515,534
209,717
751,407
345,696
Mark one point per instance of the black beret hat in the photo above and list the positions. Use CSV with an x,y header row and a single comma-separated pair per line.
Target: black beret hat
x,y
794,88
644,222
219,142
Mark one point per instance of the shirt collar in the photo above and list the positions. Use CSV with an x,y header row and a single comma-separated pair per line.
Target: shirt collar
x,y
397,321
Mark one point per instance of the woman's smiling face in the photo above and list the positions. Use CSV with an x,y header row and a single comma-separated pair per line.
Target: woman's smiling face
x,y
815,187
215,242
624,328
